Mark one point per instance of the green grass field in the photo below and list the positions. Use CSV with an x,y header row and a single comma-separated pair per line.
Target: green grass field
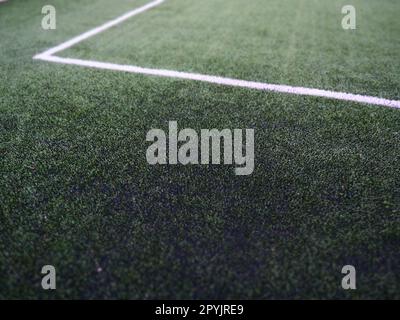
x,y
77,192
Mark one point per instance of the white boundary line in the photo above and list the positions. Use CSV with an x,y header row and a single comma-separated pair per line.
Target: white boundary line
x,y
49,56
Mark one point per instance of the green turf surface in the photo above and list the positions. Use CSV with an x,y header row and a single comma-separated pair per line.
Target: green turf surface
x,y
295,42
76,190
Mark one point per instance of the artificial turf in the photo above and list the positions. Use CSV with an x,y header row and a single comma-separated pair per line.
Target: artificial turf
x,y
76,191
300,43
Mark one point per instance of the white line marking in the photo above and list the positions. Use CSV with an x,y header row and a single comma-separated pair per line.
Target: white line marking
x,y
91,33
228,81
49,56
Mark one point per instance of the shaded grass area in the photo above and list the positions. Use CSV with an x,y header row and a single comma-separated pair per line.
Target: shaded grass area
x,y
76,191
